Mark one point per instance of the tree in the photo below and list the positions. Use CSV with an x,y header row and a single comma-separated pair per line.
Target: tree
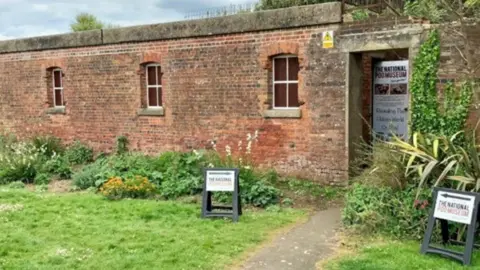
x,y
86,21
274,4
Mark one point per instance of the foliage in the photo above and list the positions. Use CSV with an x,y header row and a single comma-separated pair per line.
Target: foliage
x,y
79,153
51,144
254,190
360,15
430,9
86,21
41,179
442,161
16,185
137,187
18,162
58,165
385,210
275,4
183,175
142,234
122,145
442,11
88,176
378,165
427,117
124,166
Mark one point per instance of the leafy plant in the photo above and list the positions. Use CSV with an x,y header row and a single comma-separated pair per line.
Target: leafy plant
x,y
79,153
18,162
427,117
41,179
16,185
59,166
360,15
51,145
442,161
88,176
371,209
183,176
378,165
122,145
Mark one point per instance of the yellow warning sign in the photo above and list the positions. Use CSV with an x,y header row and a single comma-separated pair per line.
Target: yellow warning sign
x,y
327,39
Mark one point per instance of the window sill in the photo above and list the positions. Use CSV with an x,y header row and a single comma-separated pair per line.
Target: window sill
x,y
151,111
283,113
56,110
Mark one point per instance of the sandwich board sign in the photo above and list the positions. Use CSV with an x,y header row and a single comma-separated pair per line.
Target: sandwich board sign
x,y
454,206
221,180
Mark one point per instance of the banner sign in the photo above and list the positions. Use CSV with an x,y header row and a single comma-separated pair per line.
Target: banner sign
x,y
456,206
221,180
390,99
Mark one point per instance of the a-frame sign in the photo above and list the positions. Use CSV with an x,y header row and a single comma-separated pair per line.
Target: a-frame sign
x,y
223,180
456,206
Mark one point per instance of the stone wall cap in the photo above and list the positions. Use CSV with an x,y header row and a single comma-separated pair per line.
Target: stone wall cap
x,y
294,17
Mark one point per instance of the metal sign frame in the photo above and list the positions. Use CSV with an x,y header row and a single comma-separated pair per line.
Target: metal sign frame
x,y
466,256
234,211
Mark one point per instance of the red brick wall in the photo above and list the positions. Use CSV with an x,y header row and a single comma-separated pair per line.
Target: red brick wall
x,y
213,88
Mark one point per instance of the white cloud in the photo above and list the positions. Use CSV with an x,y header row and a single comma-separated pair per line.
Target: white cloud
x,y
26,18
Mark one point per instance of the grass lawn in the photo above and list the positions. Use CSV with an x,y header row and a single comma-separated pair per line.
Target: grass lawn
x,y
395,255
85,231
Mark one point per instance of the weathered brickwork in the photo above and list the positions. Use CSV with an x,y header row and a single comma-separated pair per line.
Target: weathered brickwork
x,y
214,87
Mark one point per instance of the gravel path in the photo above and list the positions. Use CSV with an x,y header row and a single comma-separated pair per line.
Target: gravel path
x,y
302,247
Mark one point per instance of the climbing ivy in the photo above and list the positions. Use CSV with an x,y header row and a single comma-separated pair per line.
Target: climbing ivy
x,y
427,114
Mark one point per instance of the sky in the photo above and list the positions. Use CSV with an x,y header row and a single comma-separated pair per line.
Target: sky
x,y
27,18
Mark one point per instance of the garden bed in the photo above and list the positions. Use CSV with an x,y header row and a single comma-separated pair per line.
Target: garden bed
x,y
85,231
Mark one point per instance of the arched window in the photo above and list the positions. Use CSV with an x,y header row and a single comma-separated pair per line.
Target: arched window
x,y
285,81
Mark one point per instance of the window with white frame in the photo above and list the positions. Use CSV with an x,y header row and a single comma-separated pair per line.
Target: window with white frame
x,y
58,99
285,81
154,85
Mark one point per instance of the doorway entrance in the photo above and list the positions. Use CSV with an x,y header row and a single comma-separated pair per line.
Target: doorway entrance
x,y
378,96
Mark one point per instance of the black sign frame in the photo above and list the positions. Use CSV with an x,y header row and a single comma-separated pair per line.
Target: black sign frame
x,y
466,256
235,211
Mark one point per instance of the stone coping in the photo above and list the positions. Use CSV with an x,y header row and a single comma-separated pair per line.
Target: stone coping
x,y
294,17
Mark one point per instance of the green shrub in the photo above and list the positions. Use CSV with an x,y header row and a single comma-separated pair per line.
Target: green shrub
x,y
254,190
385,210
58,165
50,145
18,162
122,145
181,174
88,176
79,153
42,179
16,185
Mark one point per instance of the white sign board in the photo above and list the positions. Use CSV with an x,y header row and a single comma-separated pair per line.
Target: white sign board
x,y
220,180
454,207
390,99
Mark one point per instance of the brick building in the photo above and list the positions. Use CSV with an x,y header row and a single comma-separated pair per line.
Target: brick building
x,y
177,86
